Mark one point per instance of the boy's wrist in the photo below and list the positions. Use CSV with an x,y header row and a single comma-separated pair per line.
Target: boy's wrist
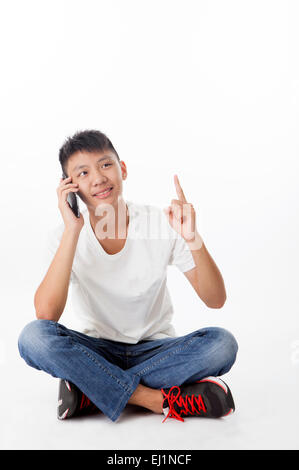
x,y
196,243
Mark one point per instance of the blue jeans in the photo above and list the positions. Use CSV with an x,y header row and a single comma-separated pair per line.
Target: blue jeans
x,y
108,372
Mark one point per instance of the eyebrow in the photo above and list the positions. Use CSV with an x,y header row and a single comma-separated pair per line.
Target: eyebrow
x,y
78,167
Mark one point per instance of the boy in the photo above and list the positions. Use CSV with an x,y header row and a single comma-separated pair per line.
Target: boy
x,y
116,256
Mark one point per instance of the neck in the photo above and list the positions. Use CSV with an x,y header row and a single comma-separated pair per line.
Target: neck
x,y
109,221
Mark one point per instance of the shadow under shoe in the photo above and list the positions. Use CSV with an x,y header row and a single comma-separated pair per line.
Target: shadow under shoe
x,y
72,402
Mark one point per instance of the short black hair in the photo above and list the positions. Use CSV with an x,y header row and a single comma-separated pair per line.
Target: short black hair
x,y
88,140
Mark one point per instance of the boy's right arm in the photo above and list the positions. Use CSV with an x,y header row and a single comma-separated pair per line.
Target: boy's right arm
x,y
51,295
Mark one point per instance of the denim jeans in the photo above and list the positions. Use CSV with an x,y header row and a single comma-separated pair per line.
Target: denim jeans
x,y
108,372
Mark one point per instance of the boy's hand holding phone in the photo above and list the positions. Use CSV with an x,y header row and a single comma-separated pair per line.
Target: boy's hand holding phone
x,y
71,222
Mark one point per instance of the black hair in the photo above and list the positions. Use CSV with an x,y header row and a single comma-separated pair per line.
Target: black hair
x,y
88,140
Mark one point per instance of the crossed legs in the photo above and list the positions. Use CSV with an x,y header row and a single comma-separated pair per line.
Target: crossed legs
x,y
49,346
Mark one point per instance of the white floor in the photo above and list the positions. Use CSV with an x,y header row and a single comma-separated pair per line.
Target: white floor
x,y
266,414
233,140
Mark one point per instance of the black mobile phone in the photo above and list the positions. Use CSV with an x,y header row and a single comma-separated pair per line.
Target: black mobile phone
x,y
72,200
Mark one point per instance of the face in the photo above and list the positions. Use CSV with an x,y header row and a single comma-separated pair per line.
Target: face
x,y
96,172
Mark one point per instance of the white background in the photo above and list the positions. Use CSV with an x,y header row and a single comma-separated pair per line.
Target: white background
x,y
205,89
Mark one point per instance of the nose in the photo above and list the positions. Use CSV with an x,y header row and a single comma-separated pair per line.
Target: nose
x,y
98,178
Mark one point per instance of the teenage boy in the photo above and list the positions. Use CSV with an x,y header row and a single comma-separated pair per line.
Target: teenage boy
x,y
115,255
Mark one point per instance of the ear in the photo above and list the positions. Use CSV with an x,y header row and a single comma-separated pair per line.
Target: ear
x,y
123,169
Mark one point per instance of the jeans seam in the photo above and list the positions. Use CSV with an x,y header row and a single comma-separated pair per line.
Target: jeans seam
x,y
80,347
121,398
166,357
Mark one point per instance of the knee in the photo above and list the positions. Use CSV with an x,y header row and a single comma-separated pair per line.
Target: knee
x,y
223,346
227,346
33,337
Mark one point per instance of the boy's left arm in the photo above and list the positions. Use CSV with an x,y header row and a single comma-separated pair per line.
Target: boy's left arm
x,y
205,277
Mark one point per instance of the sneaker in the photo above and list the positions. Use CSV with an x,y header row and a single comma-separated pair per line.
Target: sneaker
x,y
209,397
72,402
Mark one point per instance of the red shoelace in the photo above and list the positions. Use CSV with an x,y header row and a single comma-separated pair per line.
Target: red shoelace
x,y
189,405
86,403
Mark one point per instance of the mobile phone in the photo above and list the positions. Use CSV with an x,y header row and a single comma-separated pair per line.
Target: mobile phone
x,y
72,200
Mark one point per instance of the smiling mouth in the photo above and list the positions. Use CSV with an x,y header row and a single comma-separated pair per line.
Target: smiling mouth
x,y
104,194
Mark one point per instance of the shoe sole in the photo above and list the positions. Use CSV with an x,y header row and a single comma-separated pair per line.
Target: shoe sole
x,y
225,388
67,396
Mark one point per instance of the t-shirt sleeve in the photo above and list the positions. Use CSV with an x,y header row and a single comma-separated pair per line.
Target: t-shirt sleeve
x,y
53,239
181,255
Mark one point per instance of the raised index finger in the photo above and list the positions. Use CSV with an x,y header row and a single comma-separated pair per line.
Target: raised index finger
x,y
179,190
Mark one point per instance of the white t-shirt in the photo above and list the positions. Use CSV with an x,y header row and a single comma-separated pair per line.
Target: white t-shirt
x,y
124,297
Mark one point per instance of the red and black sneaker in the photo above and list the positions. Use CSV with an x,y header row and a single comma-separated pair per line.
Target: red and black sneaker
x,y
73,402
209,397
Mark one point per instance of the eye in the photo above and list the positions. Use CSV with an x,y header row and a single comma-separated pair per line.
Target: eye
x,y
82,172
109,164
